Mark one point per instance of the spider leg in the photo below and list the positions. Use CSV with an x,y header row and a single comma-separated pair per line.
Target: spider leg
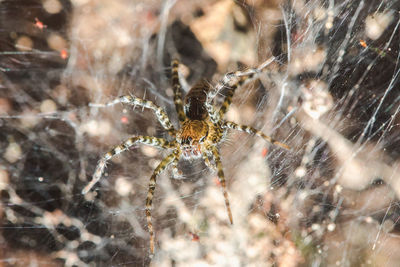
x,y
135,101
177,174
147,140
207,161
251,130
228,98
152,186
221,178
214,115
227,80
177,91
231,81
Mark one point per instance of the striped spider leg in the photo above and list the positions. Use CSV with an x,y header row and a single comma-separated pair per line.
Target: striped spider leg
x,y
177,91
170,159
232,81
232,78
241,78
221,177
176,173
251,130
135,101
220,173
147,140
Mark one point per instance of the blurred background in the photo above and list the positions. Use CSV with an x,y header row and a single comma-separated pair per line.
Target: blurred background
x,y
332,94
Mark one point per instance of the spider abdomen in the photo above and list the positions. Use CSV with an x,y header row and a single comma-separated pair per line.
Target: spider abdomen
x,y
194,106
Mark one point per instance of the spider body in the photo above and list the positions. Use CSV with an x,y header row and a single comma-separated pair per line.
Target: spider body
x,y
197,132
202,129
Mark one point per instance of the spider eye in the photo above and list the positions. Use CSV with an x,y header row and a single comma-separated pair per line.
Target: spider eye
x,y
188,140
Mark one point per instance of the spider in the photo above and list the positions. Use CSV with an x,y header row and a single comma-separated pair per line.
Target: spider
x,y
202,129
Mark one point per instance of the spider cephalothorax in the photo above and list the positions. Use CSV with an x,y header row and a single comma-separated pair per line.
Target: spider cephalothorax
x,y
191,138
202,128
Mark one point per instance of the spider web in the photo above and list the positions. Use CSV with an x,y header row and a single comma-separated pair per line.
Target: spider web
x,y
332,95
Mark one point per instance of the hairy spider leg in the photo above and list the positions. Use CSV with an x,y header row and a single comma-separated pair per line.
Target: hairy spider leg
x,y
207,161
177,91
175,171
212,112
251,130
221,178
135,101
147,140
227,80
228,98
231,81
152,186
